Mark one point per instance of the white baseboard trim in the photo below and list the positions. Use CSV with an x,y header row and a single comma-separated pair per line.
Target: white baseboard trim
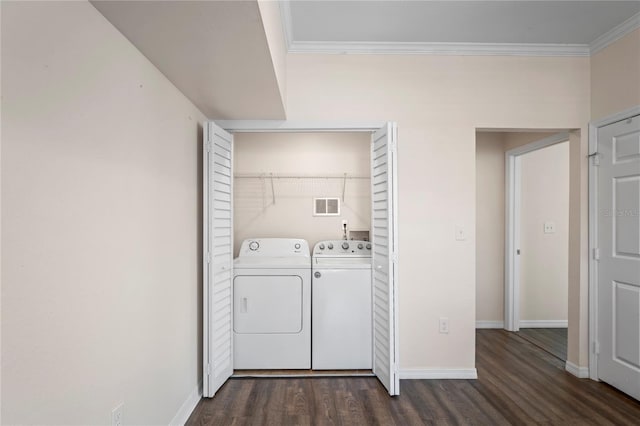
x,y
544,323
187,406
580,372
439,373
489,324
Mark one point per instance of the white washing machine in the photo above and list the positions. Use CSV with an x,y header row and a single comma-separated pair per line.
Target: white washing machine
x,y
342,298
272,304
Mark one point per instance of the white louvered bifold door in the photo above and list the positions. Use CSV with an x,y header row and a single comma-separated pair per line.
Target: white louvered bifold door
x,y
218,258
385,250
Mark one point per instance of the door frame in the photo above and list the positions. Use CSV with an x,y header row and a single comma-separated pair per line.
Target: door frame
x,y
286,126
594,126
512,226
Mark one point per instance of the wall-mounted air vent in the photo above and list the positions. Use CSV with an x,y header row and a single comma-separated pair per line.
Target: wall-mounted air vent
x,y
326,206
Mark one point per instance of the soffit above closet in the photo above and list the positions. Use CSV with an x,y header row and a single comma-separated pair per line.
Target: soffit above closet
x,y
215,52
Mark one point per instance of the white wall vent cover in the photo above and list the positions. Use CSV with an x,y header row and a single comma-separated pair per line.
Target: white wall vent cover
x,y
326,206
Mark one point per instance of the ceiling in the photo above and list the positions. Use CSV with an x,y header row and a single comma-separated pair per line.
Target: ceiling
x,y
433,22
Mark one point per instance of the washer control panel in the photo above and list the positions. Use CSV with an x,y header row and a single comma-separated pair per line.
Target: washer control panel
x,y
335,248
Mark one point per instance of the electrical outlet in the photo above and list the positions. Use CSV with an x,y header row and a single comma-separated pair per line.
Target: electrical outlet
x,y
444,325
549,227
117,415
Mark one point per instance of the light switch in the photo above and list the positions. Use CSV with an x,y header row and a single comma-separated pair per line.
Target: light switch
x,y
460,234
549,228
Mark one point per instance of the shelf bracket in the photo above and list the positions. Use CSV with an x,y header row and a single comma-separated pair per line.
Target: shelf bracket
x,y
273,192
344,186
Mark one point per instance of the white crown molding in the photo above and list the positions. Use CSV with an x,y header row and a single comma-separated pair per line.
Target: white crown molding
x,y
287,26
419,48
615,34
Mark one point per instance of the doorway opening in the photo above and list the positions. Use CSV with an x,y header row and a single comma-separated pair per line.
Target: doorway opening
x,y
315,187
219,214
522,235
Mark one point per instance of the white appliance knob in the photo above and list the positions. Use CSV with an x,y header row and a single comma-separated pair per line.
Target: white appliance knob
x,y
254,245
360,246
368,246
321,246
330,246
297,246
345,245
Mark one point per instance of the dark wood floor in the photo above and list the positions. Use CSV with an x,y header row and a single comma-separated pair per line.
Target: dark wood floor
x,y
553,340
518,383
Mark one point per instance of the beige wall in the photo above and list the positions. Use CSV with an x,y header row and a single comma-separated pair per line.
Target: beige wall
x,y
101,224
490,226
439,102
299,154
544,257
615,77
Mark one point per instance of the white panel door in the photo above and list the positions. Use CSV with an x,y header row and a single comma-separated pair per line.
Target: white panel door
x,y
384,257
218,258
618,196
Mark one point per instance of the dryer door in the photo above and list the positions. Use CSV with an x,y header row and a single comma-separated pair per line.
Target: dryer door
x,y
265,304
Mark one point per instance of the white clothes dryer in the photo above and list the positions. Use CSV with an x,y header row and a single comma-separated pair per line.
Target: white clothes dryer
x,y
272,304
342,305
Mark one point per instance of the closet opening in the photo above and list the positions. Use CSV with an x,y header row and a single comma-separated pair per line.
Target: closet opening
x,y
295,216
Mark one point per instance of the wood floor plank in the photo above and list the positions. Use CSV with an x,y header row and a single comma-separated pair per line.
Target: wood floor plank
x,y
518,384
552,340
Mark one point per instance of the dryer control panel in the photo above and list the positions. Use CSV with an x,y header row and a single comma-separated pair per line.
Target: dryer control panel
x,y
340,248
274,247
